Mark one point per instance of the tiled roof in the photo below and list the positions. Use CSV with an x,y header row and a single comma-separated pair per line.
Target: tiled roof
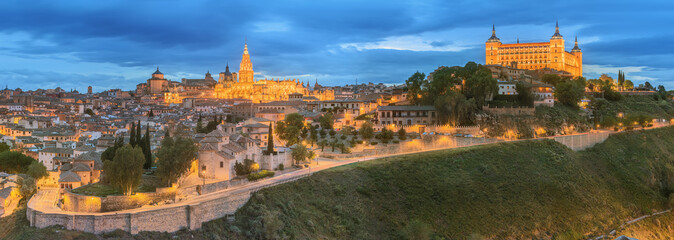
x,y
69,177
225,155
208,147
80,167
236,148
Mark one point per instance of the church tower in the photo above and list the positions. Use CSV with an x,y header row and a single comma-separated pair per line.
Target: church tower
x,y
246,67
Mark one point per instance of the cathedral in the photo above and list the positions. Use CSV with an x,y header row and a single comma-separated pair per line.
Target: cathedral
x,y
534,56
232,85
265,90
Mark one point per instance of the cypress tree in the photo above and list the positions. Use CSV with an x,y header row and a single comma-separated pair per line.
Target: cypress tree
x,y
147,151
132,134
139,134
270,141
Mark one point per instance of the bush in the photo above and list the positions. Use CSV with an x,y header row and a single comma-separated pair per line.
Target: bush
x,y
281,167
343,137
332,133
260,175
396,141
359,142
373,143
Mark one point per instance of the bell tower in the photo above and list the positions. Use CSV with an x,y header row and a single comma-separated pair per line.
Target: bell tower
x,y
246,67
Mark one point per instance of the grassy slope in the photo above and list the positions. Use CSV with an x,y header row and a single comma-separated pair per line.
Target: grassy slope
x,y
517,190
507,191
655,228
641,105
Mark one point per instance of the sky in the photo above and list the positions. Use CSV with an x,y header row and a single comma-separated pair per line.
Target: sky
x,y
118,44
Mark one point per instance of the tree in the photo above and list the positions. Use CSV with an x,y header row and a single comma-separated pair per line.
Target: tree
x,y
27,186
332,132
138,133
662,92
200,125
366,130
322,144
524,96
313,136
132,135
299,153
174,158
402,134
569,93
621,79
552,79
150,113
4,147
14,162
333,144
270,141
126,169
386,135
648,86
454,108
89,112
37,170
479,84
414,84
109,153
628,85
147,150
289,129
326,121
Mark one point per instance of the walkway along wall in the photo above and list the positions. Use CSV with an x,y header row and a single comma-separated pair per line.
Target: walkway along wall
x,y
162,219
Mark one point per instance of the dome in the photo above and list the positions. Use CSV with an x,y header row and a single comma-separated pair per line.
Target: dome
x,y
157,72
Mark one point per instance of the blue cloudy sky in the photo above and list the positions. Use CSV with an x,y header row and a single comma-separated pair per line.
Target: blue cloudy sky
x,y
117,44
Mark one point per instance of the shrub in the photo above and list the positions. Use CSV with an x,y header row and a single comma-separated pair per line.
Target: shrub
x,y
359,142
343,137
332,133
373,143
260,175
396,141
281,167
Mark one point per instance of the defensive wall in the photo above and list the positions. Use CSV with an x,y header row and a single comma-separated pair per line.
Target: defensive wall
x,y
186,215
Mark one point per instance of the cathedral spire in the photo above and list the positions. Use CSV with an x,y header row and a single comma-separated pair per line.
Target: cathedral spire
x,y
518,39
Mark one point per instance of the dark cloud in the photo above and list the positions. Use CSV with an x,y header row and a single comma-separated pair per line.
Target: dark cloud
x,y
104,44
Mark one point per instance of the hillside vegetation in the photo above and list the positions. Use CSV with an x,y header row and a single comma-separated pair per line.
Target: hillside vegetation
x,y
518,190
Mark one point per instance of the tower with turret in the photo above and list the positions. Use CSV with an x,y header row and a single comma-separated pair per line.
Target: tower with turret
x,y
246,67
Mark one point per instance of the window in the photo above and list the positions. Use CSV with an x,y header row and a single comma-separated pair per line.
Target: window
x,y
222,165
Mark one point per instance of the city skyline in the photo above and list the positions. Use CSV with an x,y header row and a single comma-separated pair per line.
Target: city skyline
x,y
119,46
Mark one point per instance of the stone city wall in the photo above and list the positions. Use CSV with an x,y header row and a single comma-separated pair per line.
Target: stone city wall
x,y
161,218
82,203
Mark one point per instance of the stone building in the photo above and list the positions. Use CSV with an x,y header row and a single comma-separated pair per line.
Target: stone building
x,y
534,56
407,115
220,149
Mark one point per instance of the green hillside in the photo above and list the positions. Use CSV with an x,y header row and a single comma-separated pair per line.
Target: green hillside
x,y
519,190
513,190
